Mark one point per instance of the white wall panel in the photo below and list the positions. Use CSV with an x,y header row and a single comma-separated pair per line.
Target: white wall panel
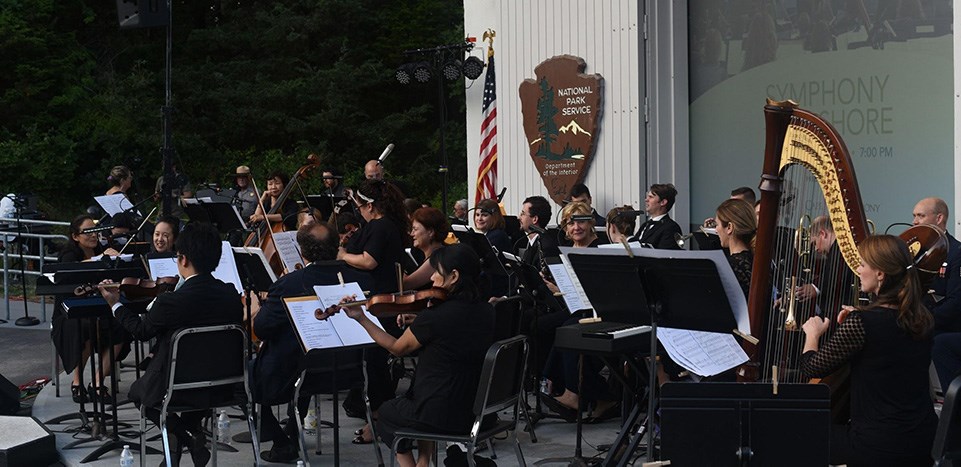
x,y
607,35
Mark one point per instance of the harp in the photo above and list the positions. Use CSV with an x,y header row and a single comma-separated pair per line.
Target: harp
x,y
809,194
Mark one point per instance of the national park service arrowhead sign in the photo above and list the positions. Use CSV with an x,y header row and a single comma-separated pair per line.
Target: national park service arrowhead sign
x,y
562,110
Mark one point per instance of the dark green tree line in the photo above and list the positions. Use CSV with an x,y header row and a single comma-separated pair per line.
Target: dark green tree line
x,y
256,83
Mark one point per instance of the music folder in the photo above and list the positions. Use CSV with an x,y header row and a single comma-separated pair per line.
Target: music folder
x,y
63,278
337,331
253,269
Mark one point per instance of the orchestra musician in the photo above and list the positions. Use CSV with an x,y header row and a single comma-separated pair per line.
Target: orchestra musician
x,y
888,346
74,350
621,223
833,277
562,367
375,248
659,229
489,221
275,369
120,179
164,235
373,170
946,306
581,193
332,183
451,340
428,229
202,300
287,213
736,226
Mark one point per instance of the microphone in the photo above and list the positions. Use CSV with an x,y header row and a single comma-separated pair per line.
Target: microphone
x,y
537,229
102,228
582,218
634,213
500,197
337,177
383,155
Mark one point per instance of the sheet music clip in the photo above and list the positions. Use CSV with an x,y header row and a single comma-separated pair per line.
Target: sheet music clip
x,y
745,336
774,379
340,278
590,320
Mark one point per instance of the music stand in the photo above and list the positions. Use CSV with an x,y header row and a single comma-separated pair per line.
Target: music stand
x,y
490,262
325,203
668,278
223,215
745,424
256,276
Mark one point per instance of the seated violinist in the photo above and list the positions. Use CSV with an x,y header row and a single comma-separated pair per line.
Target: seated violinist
x,y
452,339
202,300
275,369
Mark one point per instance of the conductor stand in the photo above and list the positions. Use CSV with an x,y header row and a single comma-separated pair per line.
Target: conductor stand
x,y
26,319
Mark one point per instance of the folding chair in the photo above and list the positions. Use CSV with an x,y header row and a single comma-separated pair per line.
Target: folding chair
x,y
501,386
211,360
947,440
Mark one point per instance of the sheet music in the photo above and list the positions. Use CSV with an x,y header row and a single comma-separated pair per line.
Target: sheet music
x,y
574,296
114,204
618,245
702,353
163,267
227,268
314,333
288,249
350,331
126,257
460,228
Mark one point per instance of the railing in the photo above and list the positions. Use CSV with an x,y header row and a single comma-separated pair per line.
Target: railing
x,y
12,237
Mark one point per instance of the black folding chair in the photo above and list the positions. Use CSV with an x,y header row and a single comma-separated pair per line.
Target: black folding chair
x,y
947,440
211,361
501,386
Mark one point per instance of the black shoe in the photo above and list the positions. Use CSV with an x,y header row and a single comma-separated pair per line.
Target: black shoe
x,y
79,395
198,449
285,454
144,363
354,405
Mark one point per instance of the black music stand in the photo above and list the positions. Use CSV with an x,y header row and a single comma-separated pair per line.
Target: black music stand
x,y
223,215
668,280
256,276
490,258
325,203
745,424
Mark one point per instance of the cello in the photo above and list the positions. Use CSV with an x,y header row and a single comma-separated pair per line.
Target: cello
x,y
262,237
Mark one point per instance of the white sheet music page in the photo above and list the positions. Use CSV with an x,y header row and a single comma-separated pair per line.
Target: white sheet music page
x,y
702,353
288,249
163,267
227,268
113,204
565,279
350,331
313,333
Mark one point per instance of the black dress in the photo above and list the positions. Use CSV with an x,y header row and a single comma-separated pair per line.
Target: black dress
x,y
742,263
383,240
892,416
288,212
454,338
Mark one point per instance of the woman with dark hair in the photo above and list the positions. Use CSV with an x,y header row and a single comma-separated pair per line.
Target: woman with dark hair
x,y
736,226
73,349
164,236
428,229
489,221
375,248
452,339
287,213
888,346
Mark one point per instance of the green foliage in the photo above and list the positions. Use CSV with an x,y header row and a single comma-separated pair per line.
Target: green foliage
x,y
545,120
262,84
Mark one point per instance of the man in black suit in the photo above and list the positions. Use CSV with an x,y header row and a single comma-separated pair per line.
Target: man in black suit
x,y
834,279
275,369
659,230
580,192
201,300
946,287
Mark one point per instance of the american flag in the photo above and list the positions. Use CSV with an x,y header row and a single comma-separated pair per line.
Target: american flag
x,y
487,171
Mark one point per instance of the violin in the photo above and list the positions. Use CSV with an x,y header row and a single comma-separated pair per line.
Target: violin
x,y
928,245
389,305
134,288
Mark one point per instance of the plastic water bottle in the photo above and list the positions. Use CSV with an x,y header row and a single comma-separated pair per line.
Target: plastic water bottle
x,y
300,463
126,457
310,421
223,428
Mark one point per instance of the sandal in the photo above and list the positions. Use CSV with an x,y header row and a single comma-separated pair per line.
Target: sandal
x,y
360,440
78,394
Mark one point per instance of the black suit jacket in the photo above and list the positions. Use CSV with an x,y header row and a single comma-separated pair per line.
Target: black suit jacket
x,y
275,369
201,301
660,235
947,312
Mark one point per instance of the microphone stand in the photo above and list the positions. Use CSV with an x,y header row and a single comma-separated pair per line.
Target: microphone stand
x,y
26,320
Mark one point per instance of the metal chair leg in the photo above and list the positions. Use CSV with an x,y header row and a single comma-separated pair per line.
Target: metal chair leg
x,y
214,433
299,420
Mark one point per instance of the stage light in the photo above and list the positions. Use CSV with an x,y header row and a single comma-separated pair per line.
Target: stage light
x,y
422,72
473,67
452,69
403,74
